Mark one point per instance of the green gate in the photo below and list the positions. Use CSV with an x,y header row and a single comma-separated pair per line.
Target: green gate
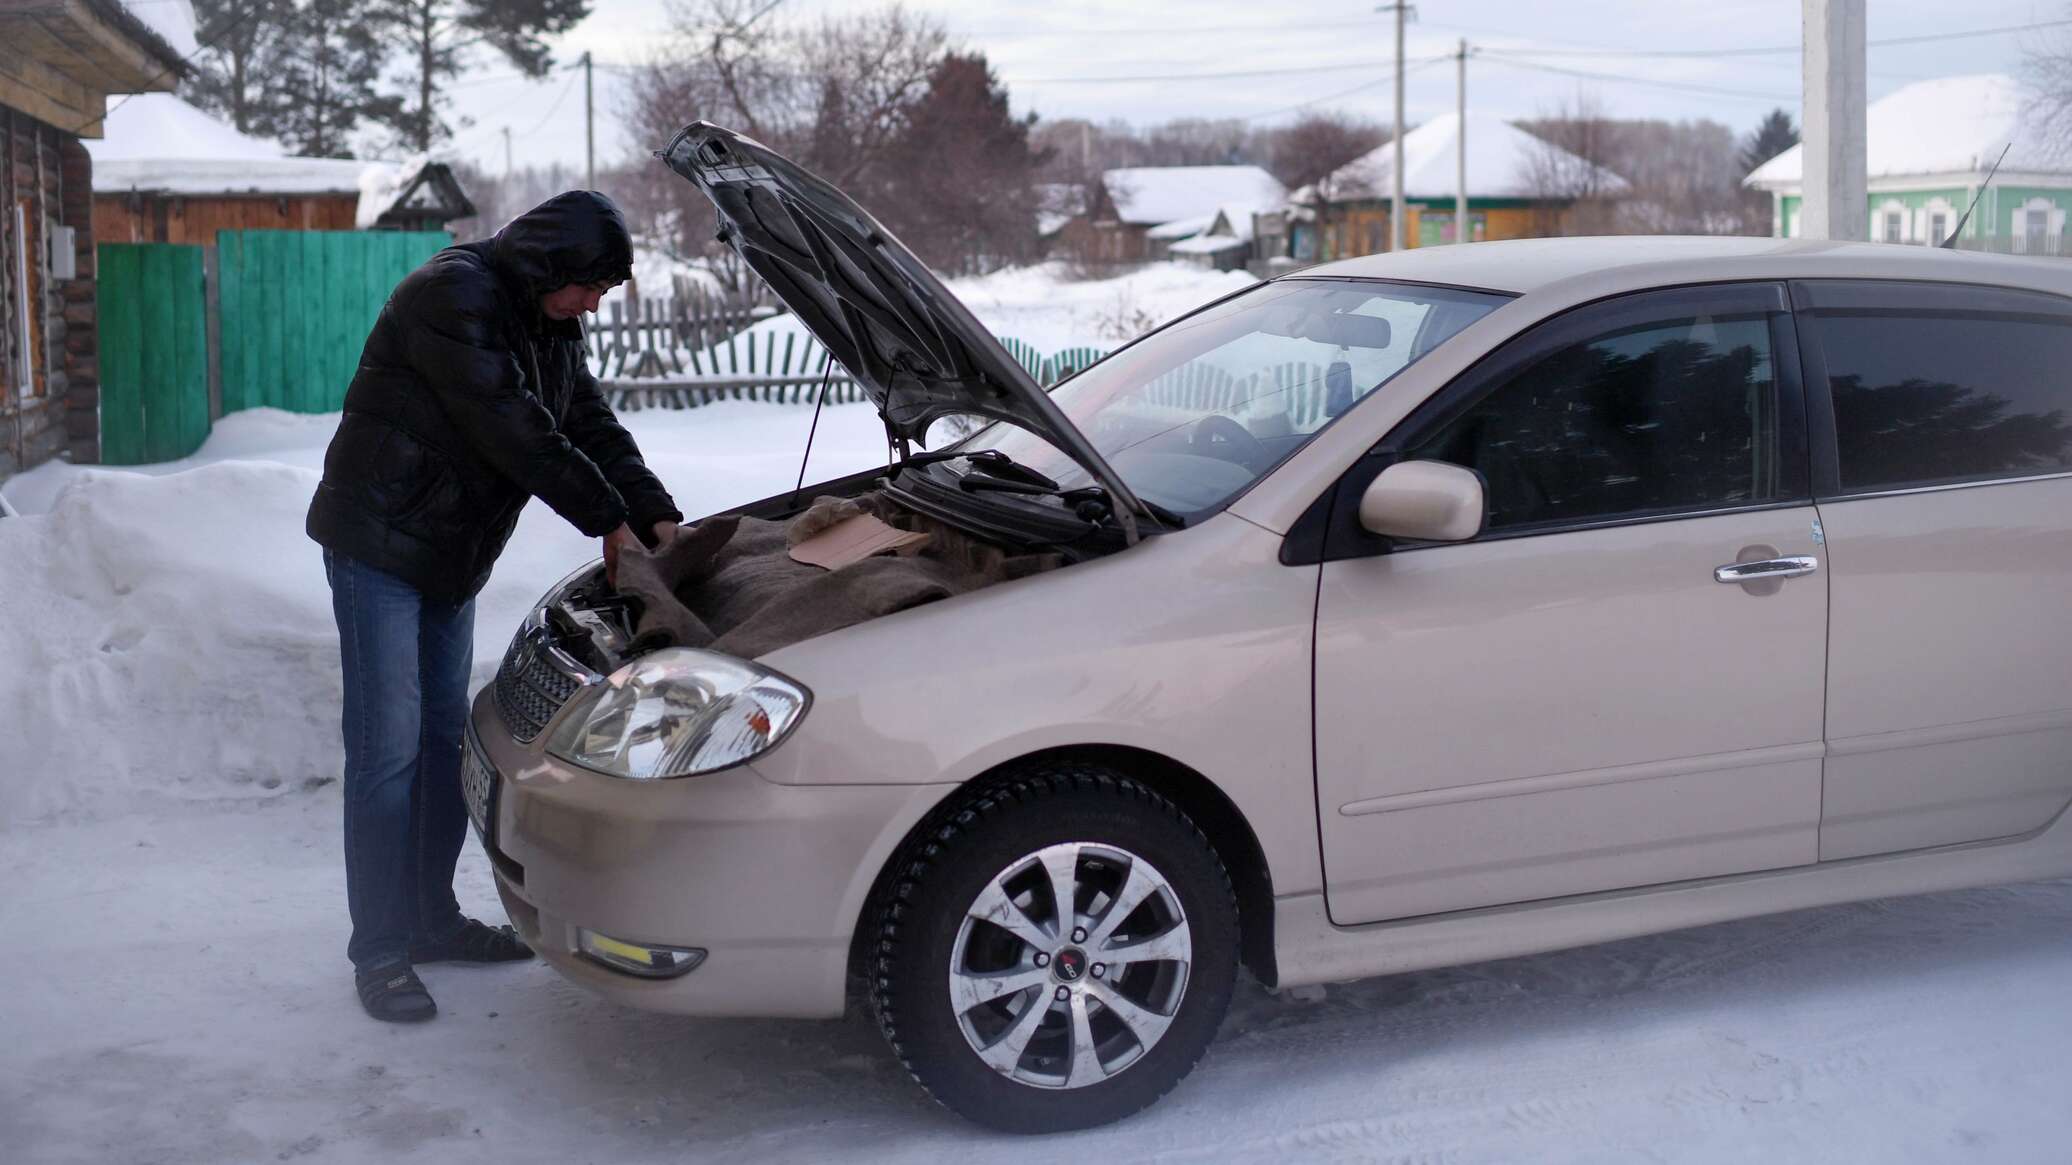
x,y
296,307
154,352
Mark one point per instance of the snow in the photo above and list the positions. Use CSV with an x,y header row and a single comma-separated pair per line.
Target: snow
x,y
1949,125
172,20
155,141
381,186
1156,195
1500,163
186,596
177,987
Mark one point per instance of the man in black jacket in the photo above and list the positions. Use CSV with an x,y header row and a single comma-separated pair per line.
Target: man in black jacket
x,y
472,396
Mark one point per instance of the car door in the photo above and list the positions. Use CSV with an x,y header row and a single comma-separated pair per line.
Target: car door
x,y
1943,438
1573,701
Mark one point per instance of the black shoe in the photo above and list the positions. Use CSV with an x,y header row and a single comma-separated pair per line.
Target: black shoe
x,y
474,942
393,992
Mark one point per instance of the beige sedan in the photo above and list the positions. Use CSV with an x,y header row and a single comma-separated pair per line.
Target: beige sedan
x,y
1411,610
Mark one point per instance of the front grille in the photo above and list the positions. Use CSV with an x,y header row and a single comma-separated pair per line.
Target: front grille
x,y
530,689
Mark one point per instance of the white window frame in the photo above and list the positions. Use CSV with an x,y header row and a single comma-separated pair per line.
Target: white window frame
x,y
1890,212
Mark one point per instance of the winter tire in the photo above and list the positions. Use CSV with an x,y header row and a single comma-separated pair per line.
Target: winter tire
x,y
1023,1017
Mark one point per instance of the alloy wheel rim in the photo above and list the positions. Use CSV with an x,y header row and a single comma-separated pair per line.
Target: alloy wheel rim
x,y
1069,996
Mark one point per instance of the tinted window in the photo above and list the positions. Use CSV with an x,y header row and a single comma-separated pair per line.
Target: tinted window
x,y
1933,397
1671,415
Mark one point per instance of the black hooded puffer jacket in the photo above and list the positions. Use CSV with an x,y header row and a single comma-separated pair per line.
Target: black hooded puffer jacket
x,y
468,401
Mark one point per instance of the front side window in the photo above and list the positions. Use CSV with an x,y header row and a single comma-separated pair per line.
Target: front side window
x,y
1925,397
1656,417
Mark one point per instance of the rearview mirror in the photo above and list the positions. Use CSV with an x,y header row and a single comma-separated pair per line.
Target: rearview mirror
x,y
1429,501
1338,329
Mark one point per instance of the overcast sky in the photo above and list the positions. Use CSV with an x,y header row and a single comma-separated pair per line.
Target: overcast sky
x,y
1079,58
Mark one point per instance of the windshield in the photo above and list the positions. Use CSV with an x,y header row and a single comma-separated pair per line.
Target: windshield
x,y
1194,413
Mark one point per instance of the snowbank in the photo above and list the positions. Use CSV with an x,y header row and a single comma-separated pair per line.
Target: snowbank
x,y
168,630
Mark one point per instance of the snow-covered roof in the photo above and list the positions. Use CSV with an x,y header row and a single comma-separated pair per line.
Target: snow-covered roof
x,y
1206,245
381,186
172,20
155,141
1181,228
1950,125
1156,195
1501,163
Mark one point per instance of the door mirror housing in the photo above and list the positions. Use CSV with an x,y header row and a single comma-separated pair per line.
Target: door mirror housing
x,y
1426,501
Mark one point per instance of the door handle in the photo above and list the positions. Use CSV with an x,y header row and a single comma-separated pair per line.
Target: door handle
x,y
1767,569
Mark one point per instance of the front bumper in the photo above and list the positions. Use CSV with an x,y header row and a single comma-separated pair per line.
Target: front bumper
x,y
768,879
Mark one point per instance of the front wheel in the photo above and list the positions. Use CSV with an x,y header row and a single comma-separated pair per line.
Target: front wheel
x,y
1057,953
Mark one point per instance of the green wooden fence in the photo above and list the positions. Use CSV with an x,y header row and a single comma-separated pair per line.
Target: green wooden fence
x,y
154,352
296,307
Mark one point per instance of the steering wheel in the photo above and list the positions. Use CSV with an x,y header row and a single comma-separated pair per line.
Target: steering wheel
x,y
1224,439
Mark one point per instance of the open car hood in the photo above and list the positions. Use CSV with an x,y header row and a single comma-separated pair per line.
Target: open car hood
x,y
918,352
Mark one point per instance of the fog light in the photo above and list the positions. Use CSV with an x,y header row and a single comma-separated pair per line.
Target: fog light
x,y
649,962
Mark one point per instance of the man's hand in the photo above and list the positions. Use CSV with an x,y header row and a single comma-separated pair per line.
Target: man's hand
x,y
615,542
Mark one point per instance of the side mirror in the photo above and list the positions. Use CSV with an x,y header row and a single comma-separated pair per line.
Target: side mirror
x,y
1429,501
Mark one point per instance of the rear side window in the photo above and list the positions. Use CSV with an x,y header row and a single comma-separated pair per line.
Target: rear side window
x,y
1929,392
1656,416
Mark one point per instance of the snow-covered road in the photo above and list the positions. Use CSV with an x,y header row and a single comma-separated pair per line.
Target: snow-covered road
x,y
177,992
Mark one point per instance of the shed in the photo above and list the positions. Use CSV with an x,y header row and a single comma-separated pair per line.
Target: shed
x,y
1135,213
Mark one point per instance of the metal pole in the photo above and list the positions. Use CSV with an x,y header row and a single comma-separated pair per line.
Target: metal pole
x,y
507,151
589,130
1837,201
1396,194
1461,232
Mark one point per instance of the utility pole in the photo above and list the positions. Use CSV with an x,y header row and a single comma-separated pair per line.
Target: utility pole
x,y
1837,202
1461,231
1402,11
589,129
507,151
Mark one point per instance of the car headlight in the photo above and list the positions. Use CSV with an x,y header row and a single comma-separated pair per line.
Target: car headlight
x,y
677,713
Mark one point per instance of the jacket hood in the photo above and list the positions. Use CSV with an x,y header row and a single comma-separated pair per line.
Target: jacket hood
x,y
574,237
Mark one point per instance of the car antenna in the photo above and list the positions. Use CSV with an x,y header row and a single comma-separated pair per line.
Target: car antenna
x,y
1951,242
827,371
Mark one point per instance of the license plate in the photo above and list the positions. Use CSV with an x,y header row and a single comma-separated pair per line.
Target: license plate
x,y
478,787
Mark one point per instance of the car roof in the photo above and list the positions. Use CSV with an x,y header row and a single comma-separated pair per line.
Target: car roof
x,y
1526,266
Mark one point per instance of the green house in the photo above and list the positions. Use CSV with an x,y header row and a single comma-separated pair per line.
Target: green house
x,y
1930,147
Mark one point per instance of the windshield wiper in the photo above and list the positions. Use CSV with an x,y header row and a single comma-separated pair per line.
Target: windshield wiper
x,y
1089,502
996,463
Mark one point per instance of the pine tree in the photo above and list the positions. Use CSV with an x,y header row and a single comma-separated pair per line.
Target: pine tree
x,y
332,69
433,36
962,174
1774,136
236,76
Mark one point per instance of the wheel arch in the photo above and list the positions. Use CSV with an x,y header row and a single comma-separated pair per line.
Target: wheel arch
x,y
1211,810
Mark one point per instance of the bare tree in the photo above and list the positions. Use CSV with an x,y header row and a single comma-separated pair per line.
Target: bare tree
x,y
1311,150
1569,173
2047,73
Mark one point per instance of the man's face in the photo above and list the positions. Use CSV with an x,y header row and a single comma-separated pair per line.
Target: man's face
x,y
573,300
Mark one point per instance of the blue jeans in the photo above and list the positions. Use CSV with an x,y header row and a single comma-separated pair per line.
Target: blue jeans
x,y
407,659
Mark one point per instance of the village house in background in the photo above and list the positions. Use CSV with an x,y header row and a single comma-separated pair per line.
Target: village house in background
x,y
59,62
1519,186
1930,146
167,172
1136,214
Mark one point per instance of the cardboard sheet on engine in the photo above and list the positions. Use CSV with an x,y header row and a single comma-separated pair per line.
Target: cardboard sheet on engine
x,y
852,540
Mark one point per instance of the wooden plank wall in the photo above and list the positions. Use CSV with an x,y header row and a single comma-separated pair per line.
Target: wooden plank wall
x,y
297,306
166,218
154,352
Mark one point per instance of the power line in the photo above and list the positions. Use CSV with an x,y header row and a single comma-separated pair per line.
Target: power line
x,y
1421,63
201,46
1627,79
1304,70
1774,50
